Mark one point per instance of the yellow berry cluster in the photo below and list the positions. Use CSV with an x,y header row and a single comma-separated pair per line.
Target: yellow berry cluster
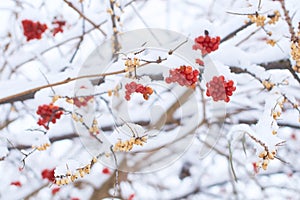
x,y
274,18
268,85
94,130
131,64
71,177
114,92
266,156
77,118
42,147
295,53
275,114
259,20
112,12
127,145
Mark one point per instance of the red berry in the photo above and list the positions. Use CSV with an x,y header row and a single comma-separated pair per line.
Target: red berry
x,y
131,197
33,30
55,190
138,88
16,183
48,174
293,136
206,44
219,89
105,170
255,167
184,76
59,26
48,113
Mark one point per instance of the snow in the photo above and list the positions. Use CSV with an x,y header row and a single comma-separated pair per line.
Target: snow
x,y
201,128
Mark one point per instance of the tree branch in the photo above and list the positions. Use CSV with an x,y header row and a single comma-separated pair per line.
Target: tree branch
x,y
83,16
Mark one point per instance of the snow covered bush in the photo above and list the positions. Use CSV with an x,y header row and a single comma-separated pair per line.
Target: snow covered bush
x,y
136,99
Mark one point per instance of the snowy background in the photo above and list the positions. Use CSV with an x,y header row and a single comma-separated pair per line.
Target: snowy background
x,y
182,159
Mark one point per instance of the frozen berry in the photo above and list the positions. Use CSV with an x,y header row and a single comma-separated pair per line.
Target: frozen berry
x,y
220,89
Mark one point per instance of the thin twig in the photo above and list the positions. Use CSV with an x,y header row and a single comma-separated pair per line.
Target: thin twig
x,y
288,20
232,34
83,16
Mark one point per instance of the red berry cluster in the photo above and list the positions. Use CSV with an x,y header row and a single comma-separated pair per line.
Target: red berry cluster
x,y
82,101
48,174
138,88
219,89
59,26
206,43
184,76
33,30
49,113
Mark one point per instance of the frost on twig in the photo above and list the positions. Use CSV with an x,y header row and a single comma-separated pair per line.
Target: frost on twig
x,y
128,136
264,134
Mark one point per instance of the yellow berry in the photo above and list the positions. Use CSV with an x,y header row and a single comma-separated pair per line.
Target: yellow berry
x,y
270,156
55,98
262,154
58,182
264,165
69,100
94,160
